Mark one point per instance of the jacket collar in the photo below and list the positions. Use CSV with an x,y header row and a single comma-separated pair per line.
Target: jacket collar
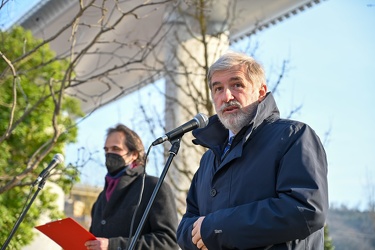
x,y
129,175
215,134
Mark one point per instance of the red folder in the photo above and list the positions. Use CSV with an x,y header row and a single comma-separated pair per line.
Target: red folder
x,y
67,233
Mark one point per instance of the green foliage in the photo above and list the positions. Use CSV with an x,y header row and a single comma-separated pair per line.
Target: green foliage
x,y
40,77
328,245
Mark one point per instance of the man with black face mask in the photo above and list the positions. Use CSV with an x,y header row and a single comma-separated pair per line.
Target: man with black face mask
x,y
113,211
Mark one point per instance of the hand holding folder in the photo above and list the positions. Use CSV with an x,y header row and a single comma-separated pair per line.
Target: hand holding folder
x,y
67,233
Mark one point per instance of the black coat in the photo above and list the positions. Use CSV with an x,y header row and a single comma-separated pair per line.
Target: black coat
x,y
269,192
112,219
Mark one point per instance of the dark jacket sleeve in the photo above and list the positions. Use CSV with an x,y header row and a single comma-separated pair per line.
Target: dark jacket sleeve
x,y
184,237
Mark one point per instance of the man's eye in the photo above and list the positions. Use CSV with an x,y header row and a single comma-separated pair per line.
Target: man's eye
x,y
218,89
238,85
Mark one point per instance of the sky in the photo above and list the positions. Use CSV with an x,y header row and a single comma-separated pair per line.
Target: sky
x,y
331,49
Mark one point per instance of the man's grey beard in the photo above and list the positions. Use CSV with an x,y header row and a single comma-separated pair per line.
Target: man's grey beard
x,y
235,122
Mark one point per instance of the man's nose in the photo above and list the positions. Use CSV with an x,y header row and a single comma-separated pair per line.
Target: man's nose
x,y
227,95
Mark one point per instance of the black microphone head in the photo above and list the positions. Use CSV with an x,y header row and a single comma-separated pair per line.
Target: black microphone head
x,y
202,120
59,158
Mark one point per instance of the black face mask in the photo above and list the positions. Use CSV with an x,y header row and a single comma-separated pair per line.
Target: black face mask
x,y
114,163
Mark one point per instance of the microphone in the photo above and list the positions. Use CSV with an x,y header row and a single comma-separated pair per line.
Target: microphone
x,y
57,159
199,121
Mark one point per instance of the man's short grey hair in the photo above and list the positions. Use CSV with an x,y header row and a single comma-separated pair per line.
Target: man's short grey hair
x,y
255,71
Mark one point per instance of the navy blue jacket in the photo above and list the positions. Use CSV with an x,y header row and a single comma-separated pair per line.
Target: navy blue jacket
x,y
269,192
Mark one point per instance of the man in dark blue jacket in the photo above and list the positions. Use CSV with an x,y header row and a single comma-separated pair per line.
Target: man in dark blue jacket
x,y
267,187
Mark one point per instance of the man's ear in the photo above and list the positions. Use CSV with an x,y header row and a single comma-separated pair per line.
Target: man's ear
x,y
262,92
134,156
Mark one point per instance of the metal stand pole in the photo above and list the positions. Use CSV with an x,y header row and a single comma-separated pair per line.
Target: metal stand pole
x,y
20,218
172,153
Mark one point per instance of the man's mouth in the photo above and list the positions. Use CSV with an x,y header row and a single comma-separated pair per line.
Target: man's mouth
x,y
230,109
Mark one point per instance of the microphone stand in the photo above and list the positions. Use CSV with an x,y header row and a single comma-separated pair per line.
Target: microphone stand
x,y
20,218
172,153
